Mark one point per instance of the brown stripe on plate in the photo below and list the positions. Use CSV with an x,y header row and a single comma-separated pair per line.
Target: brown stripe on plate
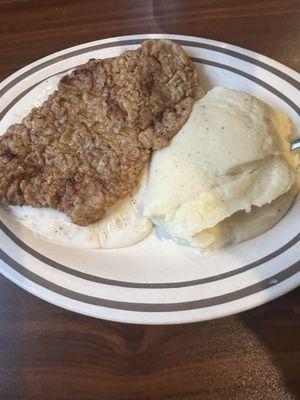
x,y
253,79
127,42
142,285
194,59
154,307
22,94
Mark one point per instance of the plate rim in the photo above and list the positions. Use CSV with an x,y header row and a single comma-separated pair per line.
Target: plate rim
x,y
40,292
253,54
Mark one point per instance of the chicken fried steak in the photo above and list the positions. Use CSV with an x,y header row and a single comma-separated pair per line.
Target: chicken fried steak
x,y
85,147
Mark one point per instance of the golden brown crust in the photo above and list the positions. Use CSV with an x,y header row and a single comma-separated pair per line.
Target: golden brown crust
x,y
85,147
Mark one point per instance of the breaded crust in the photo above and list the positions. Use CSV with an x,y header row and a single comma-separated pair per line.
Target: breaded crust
x,y
85,147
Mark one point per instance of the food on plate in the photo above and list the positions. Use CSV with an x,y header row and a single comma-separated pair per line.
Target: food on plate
x,y
226,176
241,225
122,225
75,170
85,148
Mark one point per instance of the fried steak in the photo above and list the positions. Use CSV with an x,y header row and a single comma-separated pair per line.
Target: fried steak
x,y
85,147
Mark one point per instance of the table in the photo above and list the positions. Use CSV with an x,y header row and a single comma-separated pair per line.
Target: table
x,y
49,353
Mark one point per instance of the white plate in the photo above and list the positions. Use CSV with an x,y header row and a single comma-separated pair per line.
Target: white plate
x,y
156,282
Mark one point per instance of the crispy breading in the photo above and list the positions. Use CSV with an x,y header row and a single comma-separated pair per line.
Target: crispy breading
x,y
85,147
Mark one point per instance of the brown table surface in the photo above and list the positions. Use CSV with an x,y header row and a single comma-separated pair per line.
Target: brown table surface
x,y
49,353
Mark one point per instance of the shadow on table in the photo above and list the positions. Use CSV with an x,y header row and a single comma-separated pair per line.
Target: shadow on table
x,y
276,326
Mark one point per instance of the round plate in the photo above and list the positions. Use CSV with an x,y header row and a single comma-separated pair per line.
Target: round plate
x,y
156,282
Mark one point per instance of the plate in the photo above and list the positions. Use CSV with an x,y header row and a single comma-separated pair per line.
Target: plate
x,y
156,281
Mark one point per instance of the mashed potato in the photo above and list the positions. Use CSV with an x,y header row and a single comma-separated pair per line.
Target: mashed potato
x,y
216,182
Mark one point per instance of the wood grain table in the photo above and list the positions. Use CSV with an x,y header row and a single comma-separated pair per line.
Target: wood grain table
x,y
49,353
